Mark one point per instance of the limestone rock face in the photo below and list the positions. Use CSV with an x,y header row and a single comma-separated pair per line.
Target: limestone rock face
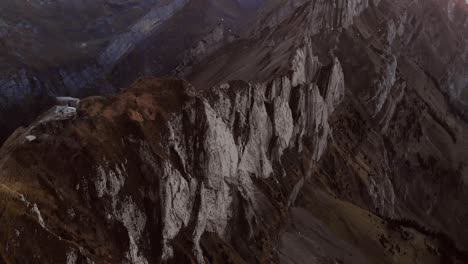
x,y
320,131
200,167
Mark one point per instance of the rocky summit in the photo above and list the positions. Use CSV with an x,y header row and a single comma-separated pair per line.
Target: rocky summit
x,y
229,131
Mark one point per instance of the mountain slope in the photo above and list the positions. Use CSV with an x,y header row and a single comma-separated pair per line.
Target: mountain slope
x,y
318,135
48,51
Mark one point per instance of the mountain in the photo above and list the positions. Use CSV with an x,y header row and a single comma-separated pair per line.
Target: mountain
x,y
49,51
313,132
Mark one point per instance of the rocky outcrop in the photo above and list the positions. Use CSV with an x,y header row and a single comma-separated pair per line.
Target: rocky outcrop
x,y
205,168
325,15
321,135
221,35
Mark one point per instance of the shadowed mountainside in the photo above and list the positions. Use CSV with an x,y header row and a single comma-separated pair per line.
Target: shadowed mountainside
x,y
328,132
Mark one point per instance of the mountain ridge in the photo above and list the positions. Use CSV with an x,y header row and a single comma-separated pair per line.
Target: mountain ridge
x,y
320,133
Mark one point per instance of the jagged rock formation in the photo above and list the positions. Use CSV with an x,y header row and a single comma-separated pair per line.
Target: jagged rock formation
x,y
322,134
103,51
196,183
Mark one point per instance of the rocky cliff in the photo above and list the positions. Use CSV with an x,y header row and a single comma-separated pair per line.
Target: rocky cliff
x,y
327,132
48,51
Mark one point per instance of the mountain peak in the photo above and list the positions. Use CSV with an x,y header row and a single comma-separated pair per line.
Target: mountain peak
x,y
284,132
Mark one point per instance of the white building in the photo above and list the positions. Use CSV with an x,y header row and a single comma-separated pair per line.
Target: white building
x,y
64,112
68,101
